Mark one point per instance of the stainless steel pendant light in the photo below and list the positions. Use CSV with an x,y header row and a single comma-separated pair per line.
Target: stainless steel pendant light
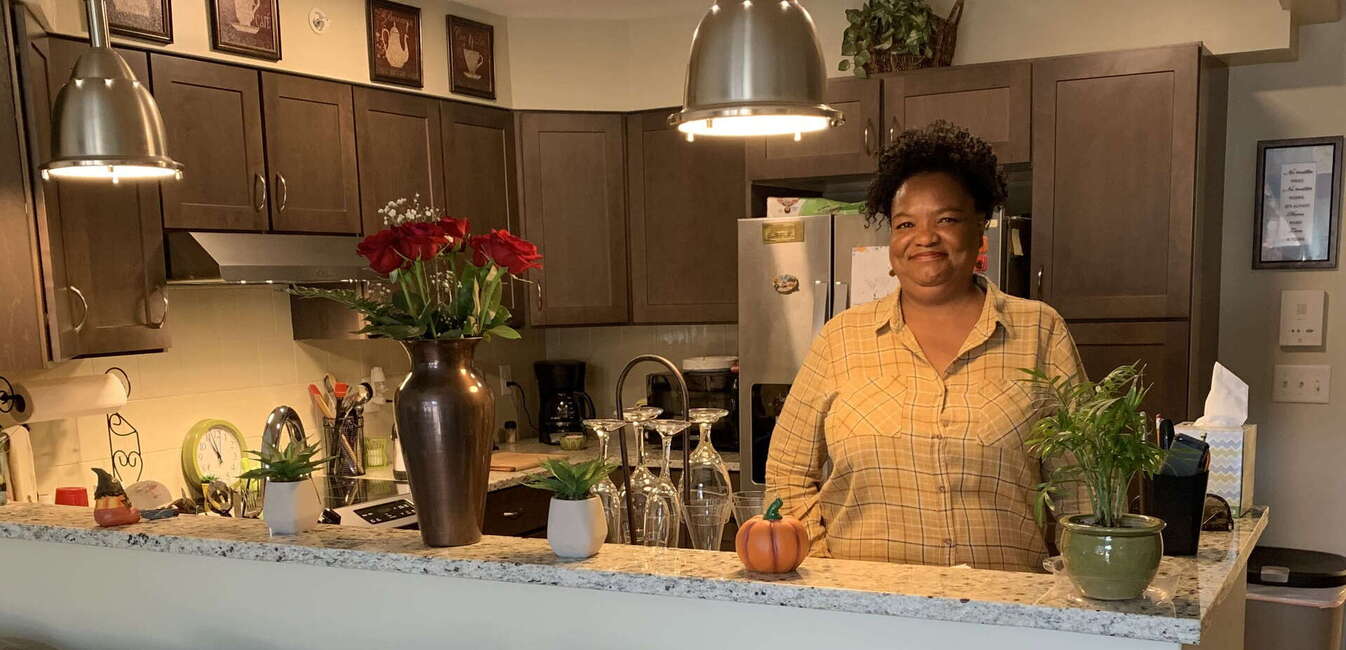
x,y
755,69
105,124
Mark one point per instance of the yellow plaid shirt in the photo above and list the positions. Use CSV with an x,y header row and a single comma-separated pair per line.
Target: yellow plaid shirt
x,y
924,469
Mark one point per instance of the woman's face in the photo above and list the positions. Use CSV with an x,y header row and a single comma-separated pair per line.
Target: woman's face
x,y
936,231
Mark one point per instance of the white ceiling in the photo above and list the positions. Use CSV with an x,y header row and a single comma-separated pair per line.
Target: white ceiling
x,y
590,9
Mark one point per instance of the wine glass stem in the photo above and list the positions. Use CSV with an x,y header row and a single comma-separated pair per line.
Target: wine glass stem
x,y
668,452
705,435
640,445
602,444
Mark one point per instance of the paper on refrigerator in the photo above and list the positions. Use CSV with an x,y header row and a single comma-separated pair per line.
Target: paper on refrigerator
x,y
870,279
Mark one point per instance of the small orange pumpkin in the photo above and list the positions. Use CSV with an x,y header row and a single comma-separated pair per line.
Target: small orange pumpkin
x,y
771,542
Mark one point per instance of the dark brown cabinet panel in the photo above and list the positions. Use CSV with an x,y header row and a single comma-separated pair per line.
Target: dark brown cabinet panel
x,y
685,200
993,101
400,151
851,148
480,172
516,512
1114,160
310,154
213,115
1161,346
575,210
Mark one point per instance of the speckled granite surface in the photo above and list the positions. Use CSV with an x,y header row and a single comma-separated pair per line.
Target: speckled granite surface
x,y
948,594
502,480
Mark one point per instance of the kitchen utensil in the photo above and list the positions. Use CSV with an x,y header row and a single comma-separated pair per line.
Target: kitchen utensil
x,y
321,401
72,496
343,438
746,505
706,516
513,461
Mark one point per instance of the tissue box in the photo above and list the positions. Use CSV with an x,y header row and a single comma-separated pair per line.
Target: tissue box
x,y
1232,453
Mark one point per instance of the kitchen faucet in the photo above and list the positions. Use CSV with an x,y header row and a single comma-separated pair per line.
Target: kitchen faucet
x,y
626,458
282,420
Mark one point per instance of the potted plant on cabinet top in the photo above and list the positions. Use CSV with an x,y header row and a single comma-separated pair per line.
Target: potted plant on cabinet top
x,y
576,526
1104,441
439,298
895,35
290,504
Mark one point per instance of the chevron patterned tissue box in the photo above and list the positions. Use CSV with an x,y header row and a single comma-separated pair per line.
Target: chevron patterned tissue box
x,y
1232,453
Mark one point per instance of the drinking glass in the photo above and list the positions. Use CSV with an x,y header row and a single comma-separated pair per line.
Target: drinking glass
x,y
664,491
706,516
643,481
705,468
661,523
746,506
614,511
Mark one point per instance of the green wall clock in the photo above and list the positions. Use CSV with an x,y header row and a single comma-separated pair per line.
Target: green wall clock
x,y
213,448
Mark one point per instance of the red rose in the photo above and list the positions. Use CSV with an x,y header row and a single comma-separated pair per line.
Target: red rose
x,y
499,246
419,241
378,249
455,229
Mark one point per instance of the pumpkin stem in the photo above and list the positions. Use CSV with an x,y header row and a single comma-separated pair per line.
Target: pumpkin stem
x,y
773,510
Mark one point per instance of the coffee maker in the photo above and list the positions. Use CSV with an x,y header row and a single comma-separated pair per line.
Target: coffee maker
x,y
565,405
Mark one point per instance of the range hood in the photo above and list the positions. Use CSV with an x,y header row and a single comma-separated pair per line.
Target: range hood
x,y
255,258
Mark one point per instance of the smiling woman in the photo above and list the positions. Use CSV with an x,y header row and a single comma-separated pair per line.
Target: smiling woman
x,y
914,399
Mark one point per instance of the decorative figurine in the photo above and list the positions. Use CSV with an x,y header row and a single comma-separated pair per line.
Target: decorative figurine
x,y
111,507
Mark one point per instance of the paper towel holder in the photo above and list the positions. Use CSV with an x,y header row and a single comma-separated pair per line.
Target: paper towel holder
x,y
10,400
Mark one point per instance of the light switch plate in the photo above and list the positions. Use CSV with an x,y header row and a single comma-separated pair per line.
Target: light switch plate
x,y
1304,384
1302,317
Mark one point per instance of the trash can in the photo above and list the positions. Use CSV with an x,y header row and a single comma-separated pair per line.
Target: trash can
x,y
1295,600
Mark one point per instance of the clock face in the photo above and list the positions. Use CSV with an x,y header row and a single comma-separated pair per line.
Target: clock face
x,y
218,454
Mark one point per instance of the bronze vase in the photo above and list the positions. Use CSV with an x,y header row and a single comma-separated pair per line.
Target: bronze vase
x,y
445,413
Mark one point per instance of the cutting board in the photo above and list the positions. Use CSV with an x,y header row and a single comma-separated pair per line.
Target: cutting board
x,y
513,461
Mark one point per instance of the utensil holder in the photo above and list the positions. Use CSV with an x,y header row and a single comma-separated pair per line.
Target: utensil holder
x,y
1179,501
345,444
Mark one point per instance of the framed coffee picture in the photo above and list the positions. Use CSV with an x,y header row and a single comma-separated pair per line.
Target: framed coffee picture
x,y
394,43
150,20
247,27
1297,211
471,57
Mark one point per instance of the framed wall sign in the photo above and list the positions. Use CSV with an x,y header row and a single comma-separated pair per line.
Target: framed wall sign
x,y
1297,211
151,20
247,27
394,43
471,57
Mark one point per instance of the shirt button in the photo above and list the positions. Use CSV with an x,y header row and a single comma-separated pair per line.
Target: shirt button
x,y
948,542
938,437
940,489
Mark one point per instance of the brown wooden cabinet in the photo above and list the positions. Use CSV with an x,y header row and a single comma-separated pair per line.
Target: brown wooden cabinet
x,y
575,209
684,200
1162,346
310,154
517,511
213,116
103,263
400,151
1114,182
993,101
851,148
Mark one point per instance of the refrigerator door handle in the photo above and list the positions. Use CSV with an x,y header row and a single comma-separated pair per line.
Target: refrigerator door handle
x,y
819,305
841,297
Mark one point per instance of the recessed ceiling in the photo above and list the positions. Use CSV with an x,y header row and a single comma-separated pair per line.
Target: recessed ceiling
x,y
591,9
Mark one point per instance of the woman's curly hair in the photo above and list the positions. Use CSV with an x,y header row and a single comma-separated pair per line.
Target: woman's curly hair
x,y
939,147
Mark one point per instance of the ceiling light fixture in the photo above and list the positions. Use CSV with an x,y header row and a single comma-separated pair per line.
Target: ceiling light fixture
x,y
105,124
755,69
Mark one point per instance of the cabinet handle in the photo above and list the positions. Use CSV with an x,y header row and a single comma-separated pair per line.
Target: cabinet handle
x,y
869,128
259,181
84,315
1040,272
163,296
282,191
539,294
892,130
511,515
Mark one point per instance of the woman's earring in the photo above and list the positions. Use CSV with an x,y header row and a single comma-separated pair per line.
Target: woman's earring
x,y
892,273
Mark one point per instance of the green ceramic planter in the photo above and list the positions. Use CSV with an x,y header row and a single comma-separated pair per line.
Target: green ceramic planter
x,y
1112,563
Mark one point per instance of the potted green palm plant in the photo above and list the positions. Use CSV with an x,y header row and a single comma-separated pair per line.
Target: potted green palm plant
x,y
576,526
1102,439
290,503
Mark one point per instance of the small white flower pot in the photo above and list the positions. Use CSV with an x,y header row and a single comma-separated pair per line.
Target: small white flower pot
x,y
291,508
576,529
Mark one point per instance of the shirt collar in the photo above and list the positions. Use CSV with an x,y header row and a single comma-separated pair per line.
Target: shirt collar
x,y
889,312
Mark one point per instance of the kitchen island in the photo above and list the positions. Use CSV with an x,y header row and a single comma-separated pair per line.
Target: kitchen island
x,y
170,583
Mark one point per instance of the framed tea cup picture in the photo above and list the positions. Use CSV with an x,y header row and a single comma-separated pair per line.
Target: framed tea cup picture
x,y
150,20
248,27
394,43
1297,209
471,58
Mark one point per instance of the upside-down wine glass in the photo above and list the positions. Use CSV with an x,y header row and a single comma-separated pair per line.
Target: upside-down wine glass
x,y
642,479
606,491
705,469
665,493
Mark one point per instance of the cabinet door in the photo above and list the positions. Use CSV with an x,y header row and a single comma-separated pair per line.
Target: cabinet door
x,y
310,152
992,101
575,210
847,149
1160,346
685,200
213,115
106,255
480,172
400,151
1114,160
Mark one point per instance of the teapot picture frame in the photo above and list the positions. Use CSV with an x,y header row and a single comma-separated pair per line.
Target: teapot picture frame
x,y
394,43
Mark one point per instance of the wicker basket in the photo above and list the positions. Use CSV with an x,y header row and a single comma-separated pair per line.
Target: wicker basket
x,y
944,37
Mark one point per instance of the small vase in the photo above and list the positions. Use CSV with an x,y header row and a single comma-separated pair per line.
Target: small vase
x,y
445,415
1115,563
576,529
291,507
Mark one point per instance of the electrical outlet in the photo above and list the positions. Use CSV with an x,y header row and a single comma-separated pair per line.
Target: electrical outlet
x,y
1305,384
506,375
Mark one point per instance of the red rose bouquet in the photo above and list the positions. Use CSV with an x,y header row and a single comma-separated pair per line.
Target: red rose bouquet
x,y
442,282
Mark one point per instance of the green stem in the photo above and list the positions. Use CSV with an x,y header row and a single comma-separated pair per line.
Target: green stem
x,y
773,510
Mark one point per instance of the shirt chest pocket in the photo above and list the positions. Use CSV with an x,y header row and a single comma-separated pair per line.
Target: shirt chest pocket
x,y
868,411
1003,413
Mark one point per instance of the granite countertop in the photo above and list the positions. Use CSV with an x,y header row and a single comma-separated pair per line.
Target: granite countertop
x,y
937,593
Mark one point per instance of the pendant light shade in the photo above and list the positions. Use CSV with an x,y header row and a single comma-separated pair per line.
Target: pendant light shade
x,y
755,69
105,123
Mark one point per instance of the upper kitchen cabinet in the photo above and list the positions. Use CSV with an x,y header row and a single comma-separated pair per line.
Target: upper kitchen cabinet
x,y
310,154
1115,182
400,150
213,116
574,197
685,200
993,101
102,260
851,148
